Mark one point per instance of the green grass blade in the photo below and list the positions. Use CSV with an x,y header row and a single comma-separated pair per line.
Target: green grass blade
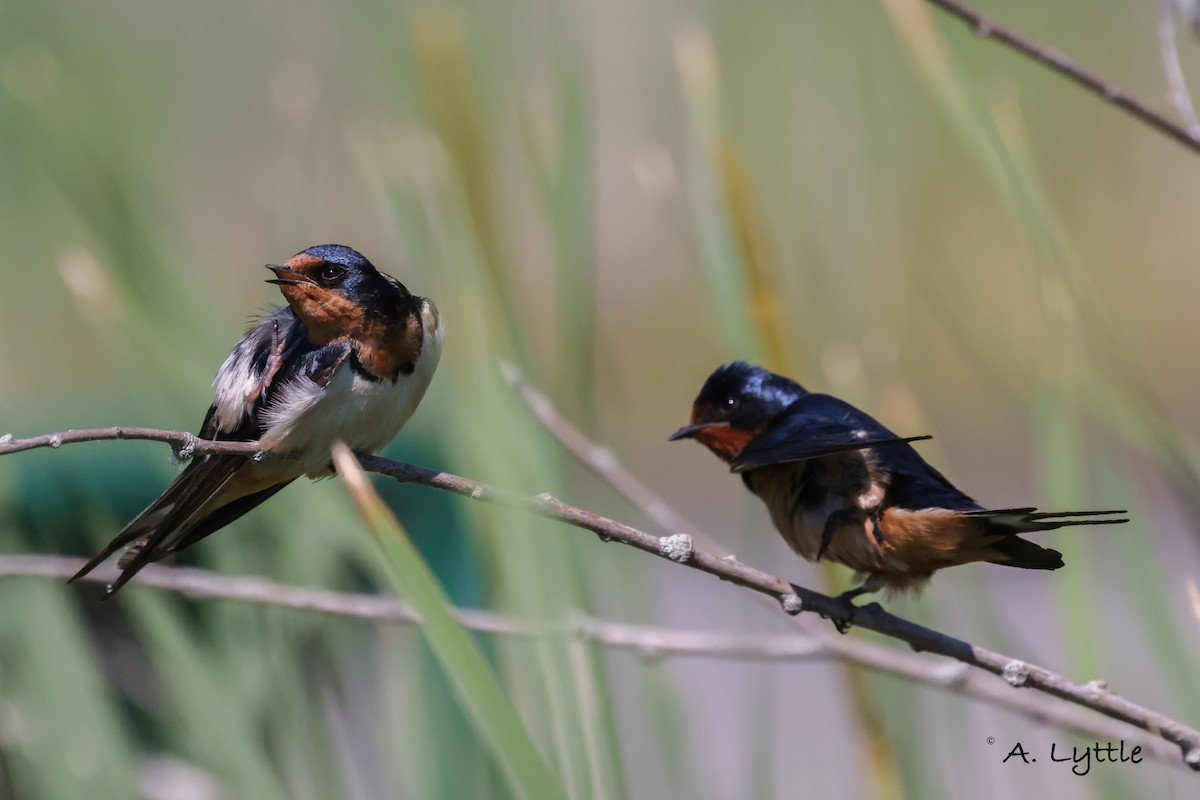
x,y
487,705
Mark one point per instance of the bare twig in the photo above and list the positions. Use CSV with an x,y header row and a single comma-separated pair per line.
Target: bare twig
x,y
792,598
601,460
1181,98
603,463
648,642
1061,63
185,443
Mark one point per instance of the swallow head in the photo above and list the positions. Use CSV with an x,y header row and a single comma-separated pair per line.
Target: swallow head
x,y
736,403
338,294
334,290
321,274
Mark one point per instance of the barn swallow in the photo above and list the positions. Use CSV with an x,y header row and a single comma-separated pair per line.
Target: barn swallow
x,y
837,483
349,357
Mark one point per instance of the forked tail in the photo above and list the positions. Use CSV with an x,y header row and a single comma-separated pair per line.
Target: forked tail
x,y
1008,523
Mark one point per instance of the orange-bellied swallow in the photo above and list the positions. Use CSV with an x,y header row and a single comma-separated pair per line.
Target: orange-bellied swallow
x,y
349,357
839,484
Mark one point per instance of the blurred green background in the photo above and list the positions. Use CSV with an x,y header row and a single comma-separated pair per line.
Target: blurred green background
x,y
618,197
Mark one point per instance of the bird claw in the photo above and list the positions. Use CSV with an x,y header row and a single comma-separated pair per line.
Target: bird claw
x,y
826,538
831,523
846,601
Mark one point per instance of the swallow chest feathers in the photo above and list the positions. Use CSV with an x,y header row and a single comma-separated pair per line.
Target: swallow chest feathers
x,y
349,358
838,484
355,370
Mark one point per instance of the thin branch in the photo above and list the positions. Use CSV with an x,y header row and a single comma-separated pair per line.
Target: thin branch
x,y
1059,62
1181,98
648,642
186,444
794,599
601,460
605,465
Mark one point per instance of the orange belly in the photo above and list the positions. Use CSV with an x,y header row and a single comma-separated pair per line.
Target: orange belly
x,y
905,550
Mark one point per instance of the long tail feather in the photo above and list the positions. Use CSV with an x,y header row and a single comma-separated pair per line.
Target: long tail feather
x,y
168,516
127,535
209,478
1030,520
141,524
1013,551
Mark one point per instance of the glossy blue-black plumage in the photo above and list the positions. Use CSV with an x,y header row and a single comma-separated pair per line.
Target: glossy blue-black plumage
x,y
385,296
760,394
277,355
339,254
816,425
838,482
793,424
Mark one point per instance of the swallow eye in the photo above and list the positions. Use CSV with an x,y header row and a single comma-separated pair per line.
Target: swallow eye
x,y
728,405
331,273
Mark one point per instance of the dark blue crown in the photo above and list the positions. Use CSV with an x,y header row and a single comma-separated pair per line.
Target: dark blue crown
x,y
339,254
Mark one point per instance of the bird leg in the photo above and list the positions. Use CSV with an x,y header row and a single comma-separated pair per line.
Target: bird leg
x,y
833,522
873,583
852,515
274,361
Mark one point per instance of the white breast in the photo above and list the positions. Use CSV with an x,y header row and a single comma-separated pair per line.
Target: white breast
x,y
306,419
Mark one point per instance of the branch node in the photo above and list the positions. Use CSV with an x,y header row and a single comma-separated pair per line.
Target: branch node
x,y
792,603
1171,730
677,548
983,29
1015,673
186,450
681,549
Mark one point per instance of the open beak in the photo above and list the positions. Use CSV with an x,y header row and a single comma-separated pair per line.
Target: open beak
x,y
286,277
690,431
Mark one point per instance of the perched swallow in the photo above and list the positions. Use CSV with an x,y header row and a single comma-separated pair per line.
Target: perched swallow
x,y
837,483
348,358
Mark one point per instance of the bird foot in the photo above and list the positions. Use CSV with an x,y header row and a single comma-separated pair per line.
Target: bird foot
x,y
846,601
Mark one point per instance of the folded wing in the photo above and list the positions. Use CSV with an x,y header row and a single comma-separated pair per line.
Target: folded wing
x,y
816,425
213,490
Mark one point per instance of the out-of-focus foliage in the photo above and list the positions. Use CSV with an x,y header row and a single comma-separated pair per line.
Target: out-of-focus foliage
x,y
617,196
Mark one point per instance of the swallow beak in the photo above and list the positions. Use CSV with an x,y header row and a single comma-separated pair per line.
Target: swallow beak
x,y
689,431
285,276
